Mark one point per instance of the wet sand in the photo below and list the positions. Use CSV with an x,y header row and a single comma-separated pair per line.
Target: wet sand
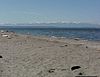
x,y
39,56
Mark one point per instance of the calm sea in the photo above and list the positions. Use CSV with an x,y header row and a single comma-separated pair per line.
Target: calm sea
x,y
82,33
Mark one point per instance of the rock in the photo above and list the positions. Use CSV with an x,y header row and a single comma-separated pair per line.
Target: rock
x,y
66,45
1,70
1,56
80,73
40,47
86,46
75,67
51,70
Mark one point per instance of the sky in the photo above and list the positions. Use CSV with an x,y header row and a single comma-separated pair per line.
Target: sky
x,y
32,11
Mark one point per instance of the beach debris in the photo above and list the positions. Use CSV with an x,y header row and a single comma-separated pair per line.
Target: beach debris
x,y
1,70
9,37
64,45
40,47
51,70
75,67
86,46
4,31
80,73
1,56
5,35
77,39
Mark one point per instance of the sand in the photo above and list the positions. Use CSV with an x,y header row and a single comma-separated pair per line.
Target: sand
x,y
39,56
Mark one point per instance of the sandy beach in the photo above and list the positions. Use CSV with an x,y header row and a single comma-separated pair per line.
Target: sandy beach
x,y
39,56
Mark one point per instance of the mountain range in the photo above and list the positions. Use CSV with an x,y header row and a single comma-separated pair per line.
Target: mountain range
x,y
52,25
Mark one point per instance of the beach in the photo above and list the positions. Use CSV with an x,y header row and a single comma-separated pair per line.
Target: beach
x,y
41,56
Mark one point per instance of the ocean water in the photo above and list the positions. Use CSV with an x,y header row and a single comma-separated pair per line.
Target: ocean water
x,y
82,33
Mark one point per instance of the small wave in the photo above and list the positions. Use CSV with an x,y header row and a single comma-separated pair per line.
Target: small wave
x,y
58,37
53,37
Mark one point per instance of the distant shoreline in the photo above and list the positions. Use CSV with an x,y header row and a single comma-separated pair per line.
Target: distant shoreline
x,y
52,25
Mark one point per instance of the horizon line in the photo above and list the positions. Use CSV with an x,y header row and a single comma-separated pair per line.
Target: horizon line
x,y
50,23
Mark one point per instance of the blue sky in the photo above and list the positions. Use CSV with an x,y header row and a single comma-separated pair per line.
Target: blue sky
x,y
30,11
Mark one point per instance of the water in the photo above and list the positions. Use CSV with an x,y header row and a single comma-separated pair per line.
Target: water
x,y
82,33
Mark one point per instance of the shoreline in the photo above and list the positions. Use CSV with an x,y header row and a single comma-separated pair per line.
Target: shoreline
x,y
55,36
